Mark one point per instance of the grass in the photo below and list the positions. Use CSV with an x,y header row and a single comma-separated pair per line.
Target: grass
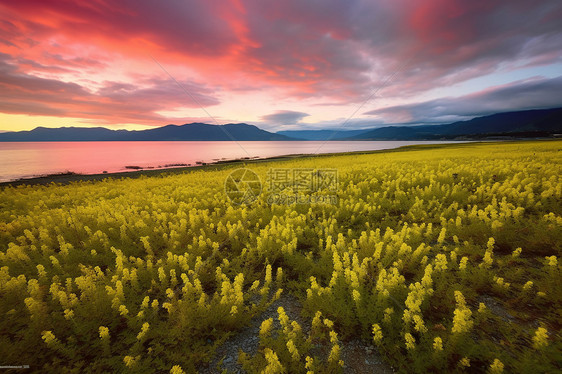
x,y
443,257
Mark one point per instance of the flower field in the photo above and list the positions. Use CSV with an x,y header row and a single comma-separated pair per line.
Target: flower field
x,y
445,258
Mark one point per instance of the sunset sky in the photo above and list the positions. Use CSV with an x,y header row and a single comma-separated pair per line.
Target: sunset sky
x,y
285,64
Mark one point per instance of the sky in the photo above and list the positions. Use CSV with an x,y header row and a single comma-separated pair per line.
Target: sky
x,y
280,65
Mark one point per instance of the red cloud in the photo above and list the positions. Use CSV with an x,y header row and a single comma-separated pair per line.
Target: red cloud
x,y
337,50
113,103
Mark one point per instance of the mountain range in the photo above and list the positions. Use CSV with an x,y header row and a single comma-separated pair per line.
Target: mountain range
x,y
187,132
528,123
322,134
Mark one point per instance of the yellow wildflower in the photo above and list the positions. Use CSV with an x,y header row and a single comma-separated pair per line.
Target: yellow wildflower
x,y
68,314
145,302
463,262
144,330
130,361
104,332
540,339
293,350
309,363
334,353
377,333
48,337
462,321
440,262
410,341
419,324
438,344
496,367
464,362
176,369
388,315
552,261
123,310
273,364
266,326
516,252
481,308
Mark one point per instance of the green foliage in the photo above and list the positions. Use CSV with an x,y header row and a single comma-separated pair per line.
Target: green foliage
x,y
447,259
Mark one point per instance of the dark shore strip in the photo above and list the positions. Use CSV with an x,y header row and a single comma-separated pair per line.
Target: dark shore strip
x,y
69,177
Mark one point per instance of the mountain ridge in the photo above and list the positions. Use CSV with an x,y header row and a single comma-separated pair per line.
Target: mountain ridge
x,y
526,123
188,132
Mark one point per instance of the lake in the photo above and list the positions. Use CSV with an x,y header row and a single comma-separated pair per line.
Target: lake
x,y
31,159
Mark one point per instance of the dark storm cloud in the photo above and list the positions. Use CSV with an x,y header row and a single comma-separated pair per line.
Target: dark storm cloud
x,y
530,94
284,117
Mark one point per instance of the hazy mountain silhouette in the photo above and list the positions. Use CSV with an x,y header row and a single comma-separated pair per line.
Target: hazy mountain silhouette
x,y
321,134
528,123
187,132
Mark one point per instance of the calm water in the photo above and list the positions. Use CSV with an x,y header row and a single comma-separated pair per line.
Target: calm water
x,y
29,159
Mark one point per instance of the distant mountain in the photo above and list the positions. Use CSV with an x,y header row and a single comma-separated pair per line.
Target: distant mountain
x,y
187,132
321,134
528,123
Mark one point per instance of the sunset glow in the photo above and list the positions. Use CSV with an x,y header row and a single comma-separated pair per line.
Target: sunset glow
x,y
279,65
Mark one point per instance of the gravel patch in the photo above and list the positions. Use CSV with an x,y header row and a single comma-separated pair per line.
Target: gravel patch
x,y
358,356
496,307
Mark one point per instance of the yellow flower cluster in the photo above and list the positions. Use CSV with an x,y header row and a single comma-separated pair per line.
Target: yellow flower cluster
x,y
408,226
131,361
104,333
438,344
273,364
552,261
293,350
48,337
496,367
266,326
144,330
462,321
488,259
176,369
464,362
540,340
377,333
410,341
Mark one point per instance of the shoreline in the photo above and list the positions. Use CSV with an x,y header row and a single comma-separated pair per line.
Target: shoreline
x,y
69,177
133,172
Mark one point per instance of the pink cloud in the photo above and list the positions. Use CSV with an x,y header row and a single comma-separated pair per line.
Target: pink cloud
x,y
113,103
333,51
